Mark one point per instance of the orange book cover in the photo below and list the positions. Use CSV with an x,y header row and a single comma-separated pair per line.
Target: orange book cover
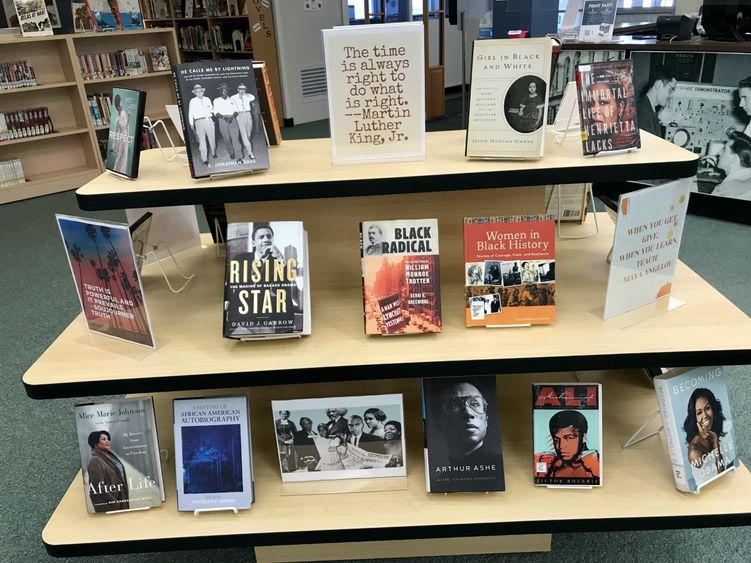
x,y
509,270
400,276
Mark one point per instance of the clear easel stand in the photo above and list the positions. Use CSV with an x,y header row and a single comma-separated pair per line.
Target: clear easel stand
x,y
557,188
151,126
637,436
579,375
199,511
128,510
221,244
187,278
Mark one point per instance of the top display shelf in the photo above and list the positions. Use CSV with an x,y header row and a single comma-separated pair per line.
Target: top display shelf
x,y
302,169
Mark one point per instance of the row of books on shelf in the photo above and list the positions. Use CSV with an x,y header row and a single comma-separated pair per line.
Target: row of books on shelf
x,y
11,172
230,39
364,436
100,107
202,8
30,122
17,74
128,62
195,38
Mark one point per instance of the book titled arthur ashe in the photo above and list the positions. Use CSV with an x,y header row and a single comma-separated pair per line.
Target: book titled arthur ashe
x,y
508,106
695,411
119,455
266,290
509,268
462,435
212,453
567,426
400,276
607,107
124,140
217,101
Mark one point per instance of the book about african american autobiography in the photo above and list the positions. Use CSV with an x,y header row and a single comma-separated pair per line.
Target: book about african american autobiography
x,y
105,270
509,269
266,284
607,107
400,276
124,140
120,459
462,435
567,427
220,117
213,454
695,410
508,106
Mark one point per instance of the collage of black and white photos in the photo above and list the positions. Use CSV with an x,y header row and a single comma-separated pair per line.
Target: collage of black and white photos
x,y
493,285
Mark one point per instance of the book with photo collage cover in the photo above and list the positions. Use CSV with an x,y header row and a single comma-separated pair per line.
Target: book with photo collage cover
x,y
509,269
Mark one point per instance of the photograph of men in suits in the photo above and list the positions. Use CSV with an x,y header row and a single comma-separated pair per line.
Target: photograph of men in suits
x,y
201,120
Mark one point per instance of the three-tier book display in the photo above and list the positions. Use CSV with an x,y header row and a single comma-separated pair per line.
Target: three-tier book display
x,y
339,359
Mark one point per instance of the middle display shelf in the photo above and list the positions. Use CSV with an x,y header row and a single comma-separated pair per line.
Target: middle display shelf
x,y
192,354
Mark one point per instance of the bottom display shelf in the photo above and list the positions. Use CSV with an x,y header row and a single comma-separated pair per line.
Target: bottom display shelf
x,y
49,183
638,490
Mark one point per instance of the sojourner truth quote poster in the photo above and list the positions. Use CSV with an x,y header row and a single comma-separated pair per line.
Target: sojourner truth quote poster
x,y
376,89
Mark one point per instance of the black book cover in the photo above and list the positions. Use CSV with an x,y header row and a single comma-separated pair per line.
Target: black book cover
x,y
217,101
462,435
264,282
124,140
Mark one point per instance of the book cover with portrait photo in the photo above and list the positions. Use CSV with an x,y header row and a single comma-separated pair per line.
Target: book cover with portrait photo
x,y
120,459
509,267
695,411
567,428
400,276
266,289
340,437
462,435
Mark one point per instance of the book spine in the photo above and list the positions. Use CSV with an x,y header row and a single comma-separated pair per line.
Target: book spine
x,y
138,141
662,387
183,121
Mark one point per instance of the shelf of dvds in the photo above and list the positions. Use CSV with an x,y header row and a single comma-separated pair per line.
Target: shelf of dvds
x,y
27,89
60,132
302,169
638,491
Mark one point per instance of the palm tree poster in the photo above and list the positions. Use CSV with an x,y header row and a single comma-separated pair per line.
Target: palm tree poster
x,y
103,265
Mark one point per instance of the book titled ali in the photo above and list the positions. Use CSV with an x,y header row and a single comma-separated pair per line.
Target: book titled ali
x,y
119,455
213,456
508,105
607,107
266,288
400,276
509,268
107,277
124,140
567,426
695,411
217,101
462,435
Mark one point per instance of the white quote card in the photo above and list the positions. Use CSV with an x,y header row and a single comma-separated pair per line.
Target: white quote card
x,y
376,87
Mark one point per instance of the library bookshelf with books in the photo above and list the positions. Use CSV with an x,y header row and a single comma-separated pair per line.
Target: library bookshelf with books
x,y
338,359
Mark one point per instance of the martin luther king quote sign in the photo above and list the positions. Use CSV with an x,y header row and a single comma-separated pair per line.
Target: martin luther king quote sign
x,y
376,87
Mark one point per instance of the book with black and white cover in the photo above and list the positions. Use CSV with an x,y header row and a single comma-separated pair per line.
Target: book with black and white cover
x,y
120,459
508,104
217,101
124,138
400,276
33,18
340,437
462,435
213,454
695,410
266,284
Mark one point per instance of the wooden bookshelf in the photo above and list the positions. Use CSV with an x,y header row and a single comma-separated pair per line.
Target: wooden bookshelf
x,y
70,156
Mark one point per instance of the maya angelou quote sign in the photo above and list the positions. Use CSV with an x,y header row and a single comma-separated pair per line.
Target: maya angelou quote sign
x,y
376,88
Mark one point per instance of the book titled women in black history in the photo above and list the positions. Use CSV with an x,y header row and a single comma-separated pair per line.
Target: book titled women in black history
x,y
220,117
400,276
567,426
607,107
266,289
119,455
124,140
462,435
213,456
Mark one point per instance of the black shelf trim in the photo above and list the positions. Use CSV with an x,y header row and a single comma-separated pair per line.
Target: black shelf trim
x,y
158,384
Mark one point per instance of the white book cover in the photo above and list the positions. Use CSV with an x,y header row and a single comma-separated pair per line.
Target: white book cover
x,y
340,437
645,250
33,18
212,453
375,77
508,106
